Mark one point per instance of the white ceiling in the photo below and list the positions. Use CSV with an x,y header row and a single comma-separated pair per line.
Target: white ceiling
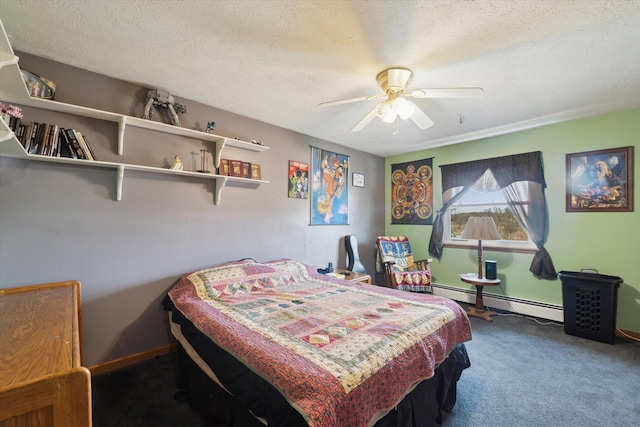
x,y
538,61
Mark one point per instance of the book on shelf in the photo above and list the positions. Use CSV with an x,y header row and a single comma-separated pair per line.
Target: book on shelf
x,y
12,122
66,147
44,147
85,146
27,136
236,168
224,167
38,139
51,141
71,135
246,169
255,171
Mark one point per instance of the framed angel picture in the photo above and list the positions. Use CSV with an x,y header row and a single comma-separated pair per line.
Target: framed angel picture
x,y
600,181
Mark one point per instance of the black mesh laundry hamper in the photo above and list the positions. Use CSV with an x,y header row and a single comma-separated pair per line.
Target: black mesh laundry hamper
x,y
590,302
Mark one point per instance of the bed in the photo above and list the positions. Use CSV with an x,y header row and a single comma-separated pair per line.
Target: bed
x,y
278,344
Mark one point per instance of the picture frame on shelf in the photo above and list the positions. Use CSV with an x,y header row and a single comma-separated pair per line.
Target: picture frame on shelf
x,y
357,179
600,180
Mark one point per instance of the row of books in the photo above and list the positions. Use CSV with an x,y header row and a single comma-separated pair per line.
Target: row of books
x,y
240,169
51,140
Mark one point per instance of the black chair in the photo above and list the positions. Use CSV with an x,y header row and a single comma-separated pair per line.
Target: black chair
x,y
353,259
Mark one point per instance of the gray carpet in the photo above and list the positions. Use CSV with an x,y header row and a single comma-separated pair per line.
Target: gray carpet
x,y
522,374
526,374
141,396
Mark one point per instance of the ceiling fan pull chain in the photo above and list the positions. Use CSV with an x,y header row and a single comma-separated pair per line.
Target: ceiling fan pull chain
x,y
395,132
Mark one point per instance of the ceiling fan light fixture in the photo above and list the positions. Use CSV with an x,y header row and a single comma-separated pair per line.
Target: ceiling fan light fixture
x,y
383,108
402,107
390,117
386,111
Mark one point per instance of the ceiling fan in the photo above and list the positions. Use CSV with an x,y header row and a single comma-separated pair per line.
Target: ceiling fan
x,y
393,82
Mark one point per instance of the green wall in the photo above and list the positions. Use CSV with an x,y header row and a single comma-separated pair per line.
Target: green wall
x,y
605,241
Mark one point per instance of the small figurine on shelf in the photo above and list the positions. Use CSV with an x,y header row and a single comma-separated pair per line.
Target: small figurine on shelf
x,y
177,164
163,99
210,126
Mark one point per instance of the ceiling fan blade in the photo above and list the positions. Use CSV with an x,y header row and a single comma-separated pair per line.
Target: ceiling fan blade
x,y
365,121
349,100
420,118
454,92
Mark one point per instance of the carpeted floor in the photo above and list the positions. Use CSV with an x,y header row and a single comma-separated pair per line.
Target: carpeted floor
x,y
141,396
526,374
522,374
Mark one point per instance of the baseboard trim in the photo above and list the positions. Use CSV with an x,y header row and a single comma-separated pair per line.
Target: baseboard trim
x,y
502,302
627,335
123,362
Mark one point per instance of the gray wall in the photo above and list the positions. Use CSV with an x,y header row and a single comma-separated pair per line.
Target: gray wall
x,y
60,222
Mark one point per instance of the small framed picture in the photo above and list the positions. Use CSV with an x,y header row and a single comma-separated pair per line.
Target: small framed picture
x,y
358,179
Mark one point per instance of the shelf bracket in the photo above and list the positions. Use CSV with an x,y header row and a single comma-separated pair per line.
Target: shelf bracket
x,y
119,182
122,123
216,159
220,183
10,61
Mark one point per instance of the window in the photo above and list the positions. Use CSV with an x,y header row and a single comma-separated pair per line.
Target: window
x,y
520,178
486,203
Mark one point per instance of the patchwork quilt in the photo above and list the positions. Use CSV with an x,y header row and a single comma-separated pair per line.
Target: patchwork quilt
x,y
338,351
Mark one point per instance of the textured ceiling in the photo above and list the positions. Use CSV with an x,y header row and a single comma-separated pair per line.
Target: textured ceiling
x,y
538,62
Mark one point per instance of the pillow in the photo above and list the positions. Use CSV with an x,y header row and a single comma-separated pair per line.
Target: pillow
x,y
240,277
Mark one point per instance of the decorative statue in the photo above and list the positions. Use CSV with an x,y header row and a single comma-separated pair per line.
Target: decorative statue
x,y
163,99
177,164
210,126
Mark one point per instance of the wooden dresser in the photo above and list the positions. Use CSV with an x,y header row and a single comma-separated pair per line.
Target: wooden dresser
x,y
42,382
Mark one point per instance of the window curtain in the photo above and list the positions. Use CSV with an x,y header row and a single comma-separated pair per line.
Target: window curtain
x,y
521,178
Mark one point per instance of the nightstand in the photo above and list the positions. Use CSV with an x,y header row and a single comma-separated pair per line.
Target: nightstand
x,y
355,277
479,282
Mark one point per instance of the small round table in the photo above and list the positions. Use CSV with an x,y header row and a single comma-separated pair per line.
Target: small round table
x,y
480,283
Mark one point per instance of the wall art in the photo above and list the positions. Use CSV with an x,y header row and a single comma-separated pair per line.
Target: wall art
x,y
600,181
357,179
298,180
412,192
329,188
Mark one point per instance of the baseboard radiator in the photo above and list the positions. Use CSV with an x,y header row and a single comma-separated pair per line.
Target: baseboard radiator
x,y
502,302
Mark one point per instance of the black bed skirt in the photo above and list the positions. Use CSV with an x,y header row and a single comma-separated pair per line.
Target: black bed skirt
x,y
425,406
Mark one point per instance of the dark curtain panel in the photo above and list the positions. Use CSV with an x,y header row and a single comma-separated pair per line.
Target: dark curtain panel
x,y
521,178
